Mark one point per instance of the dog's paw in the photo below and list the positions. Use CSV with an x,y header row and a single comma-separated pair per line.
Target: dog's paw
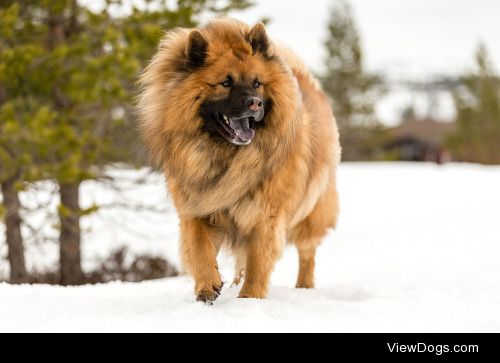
x,y
253,292
252,296
208,296
305,285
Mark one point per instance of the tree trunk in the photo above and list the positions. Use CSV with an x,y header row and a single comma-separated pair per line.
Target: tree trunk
x,y
70,238
69,213
18,273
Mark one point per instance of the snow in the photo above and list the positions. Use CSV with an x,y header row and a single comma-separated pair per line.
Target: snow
x,y
417,250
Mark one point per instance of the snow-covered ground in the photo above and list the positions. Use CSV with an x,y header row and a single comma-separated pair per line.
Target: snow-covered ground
x,y
417,250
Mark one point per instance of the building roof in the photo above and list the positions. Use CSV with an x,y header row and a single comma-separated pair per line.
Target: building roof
x,y
429,131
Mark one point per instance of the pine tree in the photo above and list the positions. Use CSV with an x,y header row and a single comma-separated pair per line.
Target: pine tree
x,y
19,120
477,138
352,90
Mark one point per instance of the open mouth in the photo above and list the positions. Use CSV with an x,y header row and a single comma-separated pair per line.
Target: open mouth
x,y
238,131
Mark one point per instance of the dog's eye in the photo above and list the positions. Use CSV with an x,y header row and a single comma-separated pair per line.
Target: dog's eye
x,y
257,84
228,83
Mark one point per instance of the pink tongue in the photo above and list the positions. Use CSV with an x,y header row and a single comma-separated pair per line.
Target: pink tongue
x,y
242,129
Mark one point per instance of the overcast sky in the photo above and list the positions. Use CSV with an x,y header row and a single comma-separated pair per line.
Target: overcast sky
x,y
414,38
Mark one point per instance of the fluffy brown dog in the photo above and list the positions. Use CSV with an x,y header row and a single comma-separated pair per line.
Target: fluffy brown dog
x,y
249,147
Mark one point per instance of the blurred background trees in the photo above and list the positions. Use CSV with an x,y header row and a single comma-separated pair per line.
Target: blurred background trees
x,y
477,135
353,91
355,94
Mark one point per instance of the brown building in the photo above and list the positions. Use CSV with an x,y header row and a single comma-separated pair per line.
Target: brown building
x,y
422,140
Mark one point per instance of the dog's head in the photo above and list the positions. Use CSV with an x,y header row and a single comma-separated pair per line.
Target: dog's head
x,y
235,73
233,67
225,80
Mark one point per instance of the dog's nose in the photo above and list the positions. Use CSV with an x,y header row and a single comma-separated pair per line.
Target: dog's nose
x,y
255,104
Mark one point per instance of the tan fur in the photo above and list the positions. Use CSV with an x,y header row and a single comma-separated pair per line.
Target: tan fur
x,y
250,199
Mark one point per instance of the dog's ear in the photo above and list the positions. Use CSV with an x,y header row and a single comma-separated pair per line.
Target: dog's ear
x,y
259,40
196,50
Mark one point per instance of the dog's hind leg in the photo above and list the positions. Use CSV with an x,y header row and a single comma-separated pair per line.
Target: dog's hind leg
x,y
240,266
307,263
308,234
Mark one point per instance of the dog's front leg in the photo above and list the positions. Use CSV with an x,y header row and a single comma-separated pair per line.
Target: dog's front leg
x,y
199,252
264,247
